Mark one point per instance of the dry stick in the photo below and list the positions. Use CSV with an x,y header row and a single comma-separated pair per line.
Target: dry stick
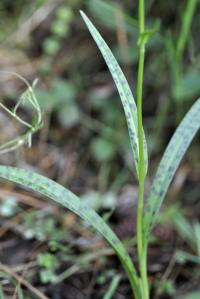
x,y
23,282
18,285
27,266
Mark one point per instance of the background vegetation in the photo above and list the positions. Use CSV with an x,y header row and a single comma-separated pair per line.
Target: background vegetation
x,y
84,146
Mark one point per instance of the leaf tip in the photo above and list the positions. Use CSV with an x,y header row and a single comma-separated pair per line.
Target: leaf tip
x,y
85,17
82,13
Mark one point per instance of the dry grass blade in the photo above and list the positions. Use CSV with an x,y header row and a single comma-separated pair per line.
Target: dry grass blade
x,y
22,281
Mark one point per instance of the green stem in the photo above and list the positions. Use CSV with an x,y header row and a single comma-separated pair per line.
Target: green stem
x,y
141,252
141,16
139,112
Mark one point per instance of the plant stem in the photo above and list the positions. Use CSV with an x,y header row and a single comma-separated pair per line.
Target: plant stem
x,y
140,205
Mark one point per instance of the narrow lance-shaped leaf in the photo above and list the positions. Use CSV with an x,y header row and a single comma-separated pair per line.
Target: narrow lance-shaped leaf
x,y
172,157
124,90
69,200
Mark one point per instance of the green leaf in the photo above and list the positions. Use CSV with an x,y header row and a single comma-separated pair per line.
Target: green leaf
x,y
69,115
124,90
113,286
19,292
1,293
188,87
59,28
69,200
102,149
64,13
185,229
51,46
172,157
182,257
47,260
62,92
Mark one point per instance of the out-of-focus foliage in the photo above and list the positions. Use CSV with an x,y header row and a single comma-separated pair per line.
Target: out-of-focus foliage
x,y
60,97
48,40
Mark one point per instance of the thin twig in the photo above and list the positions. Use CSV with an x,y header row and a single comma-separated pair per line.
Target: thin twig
x,y
22,281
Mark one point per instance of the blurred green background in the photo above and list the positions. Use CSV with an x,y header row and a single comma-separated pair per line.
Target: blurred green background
x,y
84,142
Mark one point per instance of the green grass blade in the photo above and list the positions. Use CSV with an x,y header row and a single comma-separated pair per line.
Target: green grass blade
x,y
113,287
124,90
69,200
185,229
172,157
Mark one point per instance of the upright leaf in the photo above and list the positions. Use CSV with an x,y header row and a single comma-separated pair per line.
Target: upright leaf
x,y
69,200
172,157
124,90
